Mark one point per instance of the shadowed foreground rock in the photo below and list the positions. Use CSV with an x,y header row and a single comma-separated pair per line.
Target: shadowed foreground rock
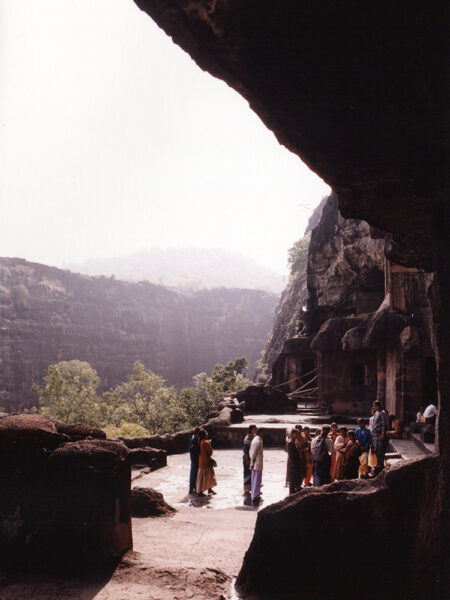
x,y
65,501
147,502
323,542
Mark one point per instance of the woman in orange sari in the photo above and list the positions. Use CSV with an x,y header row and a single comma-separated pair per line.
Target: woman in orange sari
x,y
309,462
206,478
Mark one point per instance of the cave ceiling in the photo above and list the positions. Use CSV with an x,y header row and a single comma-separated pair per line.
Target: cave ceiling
x,y
356,89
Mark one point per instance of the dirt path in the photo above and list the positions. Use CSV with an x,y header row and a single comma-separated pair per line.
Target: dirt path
x,y
193,555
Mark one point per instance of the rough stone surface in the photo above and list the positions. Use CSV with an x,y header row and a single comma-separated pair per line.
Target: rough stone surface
x,y
146,502
391,514
265,399
64,504
146,456
49,315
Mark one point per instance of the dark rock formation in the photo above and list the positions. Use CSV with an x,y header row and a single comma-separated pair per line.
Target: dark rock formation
x,y
49,315
391,515
147,502
64,504
148,457
265,399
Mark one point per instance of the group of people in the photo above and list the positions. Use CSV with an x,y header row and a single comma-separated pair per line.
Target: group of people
x,y
337,453
334,453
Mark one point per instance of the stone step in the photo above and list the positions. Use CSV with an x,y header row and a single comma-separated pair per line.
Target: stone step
x,y
427,448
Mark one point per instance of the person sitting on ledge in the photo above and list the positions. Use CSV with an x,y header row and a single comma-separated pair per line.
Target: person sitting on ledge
x,y
419,417
430,414
397,432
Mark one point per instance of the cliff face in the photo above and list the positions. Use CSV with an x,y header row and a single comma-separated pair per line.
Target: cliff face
x,y
344,276
345,273
48,315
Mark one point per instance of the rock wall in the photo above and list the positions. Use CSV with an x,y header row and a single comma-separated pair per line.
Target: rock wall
x,y
48,315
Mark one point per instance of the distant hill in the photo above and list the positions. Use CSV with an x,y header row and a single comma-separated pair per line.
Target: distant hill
x,y
186,268
48,315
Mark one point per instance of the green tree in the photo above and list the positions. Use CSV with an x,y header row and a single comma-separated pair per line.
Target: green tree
x,y
298,255
143,399
231,377
69,393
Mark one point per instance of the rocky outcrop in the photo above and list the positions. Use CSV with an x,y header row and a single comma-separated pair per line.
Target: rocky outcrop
x,y
344,276
65,495
334,519
263,399
345,273
147,502
48,315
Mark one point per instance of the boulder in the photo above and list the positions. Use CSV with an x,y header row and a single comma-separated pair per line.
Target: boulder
x,y
147,457
147,502
402,555
80,431
63,504
172,443
265,399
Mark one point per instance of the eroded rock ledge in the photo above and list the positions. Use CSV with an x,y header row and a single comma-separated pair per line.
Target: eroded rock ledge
x,y
351,535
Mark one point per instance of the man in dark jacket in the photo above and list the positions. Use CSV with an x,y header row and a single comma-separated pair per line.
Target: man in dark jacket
x,y
194,451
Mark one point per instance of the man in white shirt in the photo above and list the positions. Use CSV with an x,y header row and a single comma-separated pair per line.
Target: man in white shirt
x,y
256,465
430,414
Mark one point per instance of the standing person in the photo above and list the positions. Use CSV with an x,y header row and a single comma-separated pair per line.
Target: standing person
x,y
333,436
194,451
322,449
256,465
352,454
365,439
294,467
309,462
246,458
206,478
339,447
379,436
372,455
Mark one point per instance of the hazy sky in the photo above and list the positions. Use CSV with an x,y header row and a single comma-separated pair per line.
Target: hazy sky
x,y
113,140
